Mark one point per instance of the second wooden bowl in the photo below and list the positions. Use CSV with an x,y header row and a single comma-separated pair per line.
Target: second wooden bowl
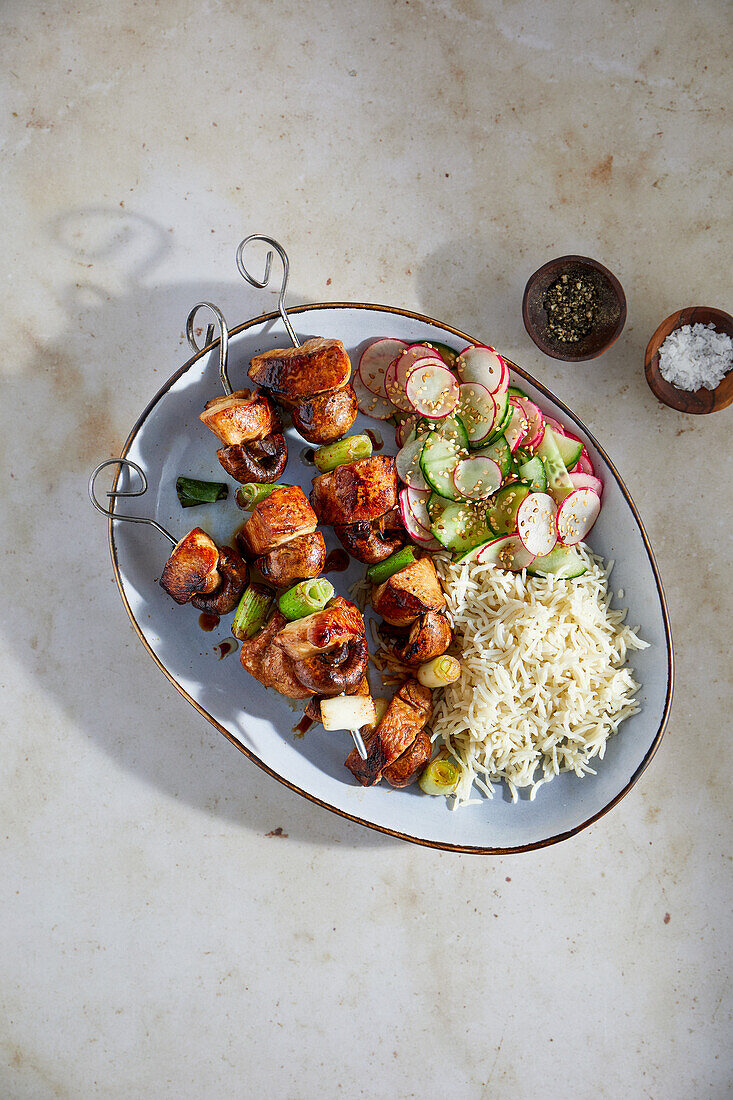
x,y
690,401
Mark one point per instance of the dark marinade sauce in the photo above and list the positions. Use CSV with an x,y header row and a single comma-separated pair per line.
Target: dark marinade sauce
x,y
208,622
377,441
226,647
336,561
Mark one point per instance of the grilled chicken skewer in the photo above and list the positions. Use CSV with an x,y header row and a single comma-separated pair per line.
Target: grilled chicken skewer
x,y
398,747
412,600
359,500
244,421
324,654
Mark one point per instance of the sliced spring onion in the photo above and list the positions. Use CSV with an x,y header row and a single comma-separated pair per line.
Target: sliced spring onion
x,y
439,672
383,570
253,609
348,712
440,776
191,492
305,598
249,495
346,450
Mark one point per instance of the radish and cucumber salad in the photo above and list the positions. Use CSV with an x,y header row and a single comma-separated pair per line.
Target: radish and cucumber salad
x,y
486,472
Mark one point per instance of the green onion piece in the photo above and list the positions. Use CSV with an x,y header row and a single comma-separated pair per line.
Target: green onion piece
x,y
439,672
252,492
253,609
440,776
383,570
191,492
305,597
350,449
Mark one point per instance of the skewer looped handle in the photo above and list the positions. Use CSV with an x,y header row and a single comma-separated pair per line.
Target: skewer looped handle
x,y
113,494
262,283
223,340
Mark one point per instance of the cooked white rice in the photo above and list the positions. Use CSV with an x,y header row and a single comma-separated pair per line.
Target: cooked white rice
x,y
544,681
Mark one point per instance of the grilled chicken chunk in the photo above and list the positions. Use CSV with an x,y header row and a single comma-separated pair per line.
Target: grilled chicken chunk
x,y
240,417
283,515
407,714
430,635
269,663
409,593
318,365
357,492
338,623
325,417
407,767
192,567
296,560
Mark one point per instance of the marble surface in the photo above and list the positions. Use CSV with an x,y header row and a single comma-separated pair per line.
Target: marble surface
x,y
173,922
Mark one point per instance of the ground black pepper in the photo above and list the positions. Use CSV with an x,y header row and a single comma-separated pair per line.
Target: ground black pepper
x,y
571,304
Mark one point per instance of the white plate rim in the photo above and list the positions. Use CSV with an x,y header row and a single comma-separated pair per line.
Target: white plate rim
x,y
422,841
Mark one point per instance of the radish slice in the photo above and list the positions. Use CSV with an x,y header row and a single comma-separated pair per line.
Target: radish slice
x,y
516,429
506,552
536,523
374,362
369,403
586,481
408,465
431,389
535,420
406,430
394,389
477,477
584,464
576,515
483,365
415,529
417,502
477,410
555,425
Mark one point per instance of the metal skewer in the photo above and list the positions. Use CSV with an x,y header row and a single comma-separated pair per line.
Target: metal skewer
x,y
223,340
262,283
113,494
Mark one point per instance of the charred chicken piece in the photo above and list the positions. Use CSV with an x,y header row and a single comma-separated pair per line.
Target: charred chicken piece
x,y
249,427
192,567
294,561
375,541
407,767
282,516
313,382
408,712
430,635
234,577
316,366
240,417
409,593
270,664
357,492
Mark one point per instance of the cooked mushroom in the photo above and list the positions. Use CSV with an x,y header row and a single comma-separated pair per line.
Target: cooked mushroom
x,y
408,712
262,460
357,492
192,567
409,593
325,417
234,577
430,635
373,542
335,671
283,515
296,560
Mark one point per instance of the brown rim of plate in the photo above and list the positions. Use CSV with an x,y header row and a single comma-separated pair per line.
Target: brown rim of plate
x,y
463,848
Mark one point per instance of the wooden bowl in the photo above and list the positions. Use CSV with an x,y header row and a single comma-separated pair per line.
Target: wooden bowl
x,y
611,314
689,401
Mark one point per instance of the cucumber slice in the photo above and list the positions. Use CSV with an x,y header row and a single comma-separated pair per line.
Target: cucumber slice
x,y
502,515
570,450
460,528
446,353
499,451
453,429
476,411
558,479
534,472
563,561
503,415
514,391
436,505
438,460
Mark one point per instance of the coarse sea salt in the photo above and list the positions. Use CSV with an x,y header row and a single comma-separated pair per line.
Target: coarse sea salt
x,y
694,356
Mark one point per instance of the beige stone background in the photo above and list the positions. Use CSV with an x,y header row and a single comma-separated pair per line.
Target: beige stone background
x,y
156,938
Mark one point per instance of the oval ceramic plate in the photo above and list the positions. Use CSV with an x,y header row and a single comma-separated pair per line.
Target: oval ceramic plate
x,y
169,440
